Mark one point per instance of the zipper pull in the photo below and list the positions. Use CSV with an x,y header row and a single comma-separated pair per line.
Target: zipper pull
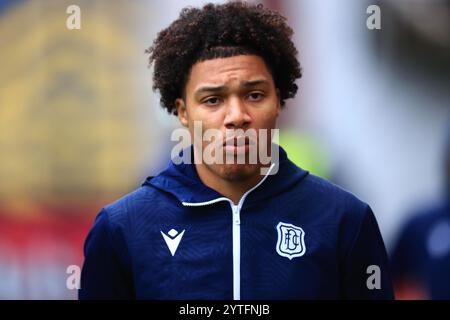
x,y
236,218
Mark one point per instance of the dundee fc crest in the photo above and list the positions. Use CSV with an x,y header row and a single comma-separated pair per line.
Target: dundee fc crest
x,y
291,240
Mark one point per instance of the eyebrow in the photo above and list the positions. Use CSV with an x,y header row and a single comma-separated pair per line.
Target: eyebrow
x,y
210,89
216,89
253,83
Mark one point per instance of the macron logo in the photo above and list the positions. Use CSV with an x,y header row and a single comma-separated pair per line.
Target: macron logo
x,y
172,239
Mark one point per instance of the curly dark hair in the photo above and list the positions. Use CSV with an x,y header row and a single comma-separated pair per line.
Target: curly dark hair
x,y
220,31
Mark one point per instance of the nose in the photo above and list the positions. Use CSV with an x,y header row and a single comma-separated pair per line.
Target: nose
x,y
237,116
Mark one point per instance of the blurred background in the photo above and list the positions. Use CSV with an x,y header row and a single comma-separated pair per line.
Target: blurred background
x,y
80,125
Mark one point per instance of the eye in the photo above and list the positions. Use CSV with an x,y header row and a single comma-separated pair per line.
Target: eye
x,y
255,96
212,101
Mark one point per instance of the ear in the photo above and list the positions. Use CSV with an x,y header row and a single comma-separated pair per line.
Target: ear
x,y
278,103
182,112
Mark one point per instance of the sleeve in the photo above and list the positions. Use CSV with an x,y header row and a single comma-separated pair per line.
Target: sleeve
x,y
106,272
366,267
408,258
406,252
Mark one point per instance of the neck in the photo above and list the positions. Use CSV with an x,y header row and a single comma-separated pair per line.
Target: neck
x,y
232,189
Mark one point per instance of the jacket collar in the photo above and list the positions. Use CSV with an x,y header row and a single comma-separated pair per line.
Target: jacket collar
x,y
183,182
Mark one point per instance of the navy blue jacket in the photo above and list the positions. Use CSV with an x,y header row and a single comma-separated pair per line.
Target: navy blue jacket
x,y
421,254
293,236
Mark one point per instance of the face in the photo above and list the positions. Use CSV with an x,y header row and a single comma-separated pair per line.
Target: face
x,y
230,93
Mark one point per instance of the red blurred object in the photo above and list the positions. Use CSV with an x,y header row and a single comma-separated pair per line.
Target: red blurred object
x,y
36,250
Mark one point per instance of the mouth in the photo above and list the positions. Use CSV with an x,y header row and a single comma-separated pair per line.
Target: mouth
x,y
238,145
239,141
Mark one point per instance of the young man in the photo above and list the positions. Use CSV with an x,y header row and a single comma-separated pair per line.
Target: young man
x,y
420,259
231,230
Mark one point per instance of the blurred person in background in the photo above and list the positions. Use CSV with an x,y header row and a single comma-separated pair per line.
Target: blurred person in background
x,y
421,256
227,231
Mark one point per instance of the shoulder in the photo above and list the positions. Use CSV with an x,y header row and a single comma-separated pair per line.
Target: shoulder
x,y
427,215
420,221
130,209
328,196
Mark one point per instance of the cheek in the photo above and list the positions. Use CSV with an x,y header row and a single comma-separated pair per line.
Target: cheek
x,y
270,115
266,119
208,121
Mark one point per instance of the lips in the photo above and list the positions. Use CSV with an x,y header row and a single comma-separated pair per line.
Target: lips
x,y
238,145
238,141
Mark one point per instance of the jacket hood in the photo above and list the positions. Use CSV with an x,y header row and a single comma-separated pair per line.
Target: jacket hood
x,y
183,182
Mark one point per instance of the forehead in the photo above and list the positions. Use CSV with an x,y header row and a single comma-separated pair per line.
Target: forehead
x,y
226,70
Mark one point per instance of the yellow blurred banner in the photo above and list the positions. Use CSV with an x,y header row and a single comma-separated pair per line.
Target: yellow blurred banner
x,y
69,103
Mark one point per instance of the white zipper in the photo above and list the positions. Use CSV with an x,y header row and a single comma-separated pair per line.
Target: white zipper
x,y
236,252
236,209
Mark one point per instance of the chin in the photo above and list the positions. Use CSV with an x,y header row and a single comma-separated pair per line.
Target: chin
x,y
238,172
